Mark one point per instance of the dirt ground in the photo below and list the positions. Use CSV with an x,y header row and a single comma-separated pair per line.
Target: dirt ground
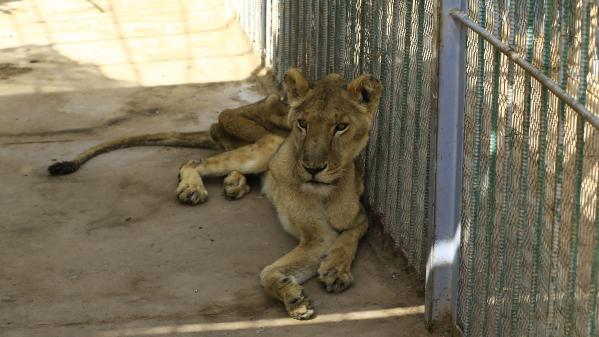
x,y
108,251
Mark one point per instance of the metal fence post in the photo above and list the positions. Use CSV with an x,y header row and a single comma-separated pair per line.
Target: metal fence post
x,y
263,30
442,269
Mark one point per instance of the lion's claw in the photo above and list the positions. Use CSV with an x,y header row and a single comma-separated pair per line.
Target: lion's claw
x,y
191,194
300,308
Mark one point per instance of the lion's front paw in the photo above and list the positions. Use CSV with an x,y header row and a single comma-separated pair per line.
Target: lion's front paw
x,y
335,271
300,307
235,186
191,194
191,189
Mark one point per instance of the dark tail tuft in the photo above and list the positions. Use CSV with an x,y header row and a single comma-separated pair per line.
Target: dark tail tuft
x,y
63,167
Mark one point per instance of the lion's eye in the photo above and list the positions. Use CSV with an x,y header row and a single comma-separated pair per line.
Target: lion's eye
x,y
341,127
302,124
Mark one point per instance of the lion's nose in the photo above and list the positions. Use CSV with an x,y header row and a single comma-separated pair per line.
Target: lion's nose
x,y
315,169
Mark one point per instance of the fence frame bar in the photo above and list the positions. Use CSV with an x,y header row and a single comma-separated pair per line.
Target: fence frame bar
x,y
442,267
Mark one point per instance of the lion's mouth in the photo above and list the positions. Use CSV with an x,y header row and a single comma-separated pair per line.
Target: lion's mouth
x,y
316,182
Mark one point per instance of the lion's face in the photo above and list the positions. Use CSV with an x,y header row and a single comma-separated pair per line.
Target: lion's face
x,y
329,124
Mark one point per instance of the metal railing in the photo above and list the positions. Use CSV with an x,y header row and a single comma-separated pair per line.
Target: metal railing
x,y
483,160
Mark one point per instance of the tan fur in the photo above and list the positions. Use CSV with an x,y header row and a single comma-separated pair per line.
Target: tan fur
x,y
310,177
309,171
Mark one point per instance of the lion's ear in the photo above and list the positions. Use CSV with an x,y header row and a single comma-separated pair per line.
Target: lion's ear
x,y
366,90
295,84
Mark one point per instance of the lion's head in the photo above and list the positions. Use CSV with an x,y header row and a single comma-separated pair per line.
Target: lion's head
x,y
329,123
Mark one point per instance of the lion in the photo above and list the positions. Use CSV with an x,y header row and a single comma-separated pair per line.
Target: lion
x,y
307,152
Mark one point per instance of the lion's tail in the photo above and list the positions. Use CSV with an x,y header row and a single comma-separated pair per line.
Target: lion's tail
x,y
200,139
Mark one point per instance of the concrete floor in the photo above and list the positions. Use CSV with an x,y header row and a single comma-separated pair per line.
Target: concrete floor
x,y
108,251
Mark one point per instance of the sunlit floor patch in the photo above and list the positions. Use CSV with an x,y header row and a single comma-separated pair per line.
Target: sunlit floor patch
x,y
265,323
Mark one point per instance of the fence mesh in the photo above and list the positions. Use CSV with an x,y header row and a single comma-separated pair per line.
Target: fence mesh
x,y
529,210
530,224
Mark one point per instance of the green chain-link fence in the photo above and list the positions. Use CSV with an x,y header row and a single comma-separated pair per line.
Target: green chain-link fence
x,y
529,253
529,213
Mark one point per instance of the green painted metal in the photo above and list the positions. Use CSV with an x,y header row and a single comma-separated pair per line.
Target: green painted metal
x,y
400,220
315,40
324,38
492,172
341,14
361,68
559,170
475,190
375,50
524,178
352,43
391,123
540,197
504,221
417,143
575,238
332,31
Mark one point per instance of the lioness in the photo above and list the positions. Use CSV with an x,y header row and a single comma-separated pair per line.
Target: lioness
x,y
307,151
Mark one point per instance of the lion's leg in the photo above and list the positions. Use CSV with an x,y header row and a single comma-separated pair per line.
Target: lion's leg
x,y
284,277
335,269
241,125
249,159
252,122
225,140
